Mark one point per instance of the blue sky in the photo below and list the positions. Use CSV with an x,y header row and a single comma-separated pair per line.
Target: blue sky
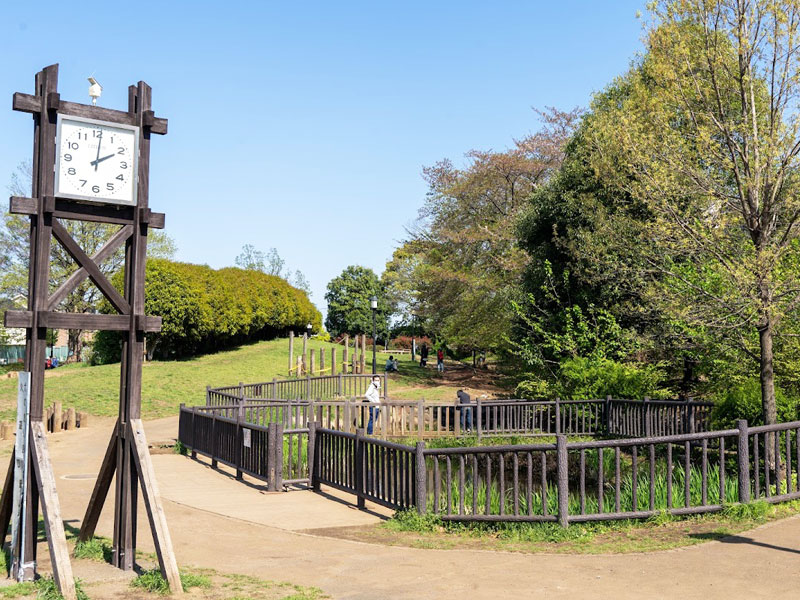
x,y
304,126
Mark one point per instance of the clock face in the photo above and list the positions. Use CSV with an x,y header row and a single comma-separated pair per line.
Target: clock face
x,y
96,160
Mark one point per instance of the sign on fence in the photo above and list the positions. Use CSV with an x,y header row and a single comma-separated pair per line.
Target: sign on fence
x,y
246,437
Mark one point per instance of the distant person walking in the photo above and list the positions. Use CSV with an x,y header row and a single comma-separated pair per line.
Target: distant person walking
x,y
373,395
423,355
440,360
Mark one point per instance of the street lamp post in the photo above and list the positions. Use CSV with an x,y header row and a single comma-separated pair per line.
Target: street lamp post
x,y
373,304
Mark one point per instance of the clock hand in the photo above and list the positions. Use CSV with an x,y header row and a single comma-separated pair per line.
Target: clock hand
x,y
99,160
99,143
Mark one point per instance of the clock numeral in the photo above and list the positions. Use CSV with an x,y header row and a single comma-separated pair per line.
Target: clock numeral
x,y
123,165
110,187
68,157
96,189
71,171
111,139
82,134
73,145
98,133
120,177
83,182
120,150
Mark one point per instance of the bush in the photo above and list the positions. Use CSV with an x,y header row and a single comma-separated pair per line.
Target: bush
x,y
583,378
744,402
403,342
204,310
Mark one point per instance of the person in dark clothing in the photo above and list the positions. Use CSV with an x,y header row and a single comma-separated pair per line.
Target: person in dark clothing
x,y
466,410
423,355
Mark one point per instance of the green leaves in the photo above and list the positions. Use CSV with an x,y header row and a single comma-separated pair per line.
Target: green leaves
x,y
348,299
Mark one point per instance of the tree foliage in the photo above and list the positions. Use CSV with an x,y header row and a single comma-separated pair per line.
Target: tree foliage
x,y
348,297
205,310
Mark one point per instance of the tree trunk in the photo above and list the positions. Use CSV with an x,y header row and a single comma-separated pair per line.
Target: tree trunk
x,y
768,407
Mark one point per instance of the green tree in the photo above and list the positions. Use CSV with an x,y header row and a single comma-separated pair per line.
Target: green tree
x,y
708,138
348,297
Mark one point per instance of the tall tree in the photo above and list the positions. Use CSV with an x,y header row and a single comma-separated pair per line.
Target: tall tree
x,y
709,138
468,264
348,299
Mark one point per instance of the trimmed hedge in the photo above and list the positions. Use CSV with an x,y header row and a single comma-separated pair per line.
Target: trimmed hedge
x,y
205,310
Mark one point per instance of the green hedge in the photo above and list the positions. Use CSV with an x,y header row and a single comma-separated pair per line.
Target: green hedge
x,y
205,310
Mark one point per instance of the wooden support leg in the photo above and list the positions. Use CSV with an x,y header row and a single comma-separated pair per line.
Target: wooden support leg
x,y
125,506
155,511
6,501
54,526
100,492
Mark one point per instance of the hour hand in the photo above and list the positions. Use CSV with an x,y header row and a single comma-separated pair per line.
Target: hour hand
x,y
94,163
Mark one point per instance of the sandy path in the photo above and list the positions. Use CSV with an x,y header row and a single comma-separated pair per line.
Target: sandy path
x,y
220,523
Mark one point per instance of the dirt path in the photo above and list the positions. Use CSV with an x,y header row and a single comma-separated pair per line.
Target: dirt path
x,y
218,522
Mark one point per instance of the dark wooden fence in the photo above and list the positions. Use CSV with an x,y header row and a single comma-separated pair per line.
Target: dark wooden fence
x,y
480,418
375,470
325,387
565,482
270,453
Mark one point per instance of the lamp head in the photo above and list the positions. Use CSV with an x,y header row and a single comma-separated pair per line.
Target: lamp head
x,y
373,303
95,89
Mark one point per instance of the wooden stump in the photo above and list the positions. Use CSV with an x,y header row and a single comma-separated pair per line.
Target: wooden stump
x,y
70,419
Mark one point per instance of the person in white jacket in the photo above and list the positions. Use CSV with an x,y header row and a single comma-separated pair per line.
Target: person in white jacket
x,y
373,394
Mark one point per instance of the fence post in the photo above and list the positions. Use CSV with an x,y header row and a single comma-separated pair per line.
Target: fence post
x,y
359,470
339,385
420,479
480,417
456,418
333,361
239,444
308,388
690,409
646,414
420,420
194,433
208,395
558,416
311,361
213,439
311,455
743,460
386,386
562,459
607,415
274,388
291,351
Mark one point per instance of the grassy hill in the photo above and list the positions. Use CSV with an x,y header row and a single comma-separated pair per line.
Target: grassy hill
x,y
167,384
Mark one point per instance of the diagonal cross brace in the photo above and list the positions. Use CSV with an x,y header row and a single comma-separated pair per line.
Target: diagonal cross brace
x,y
92,270
78,276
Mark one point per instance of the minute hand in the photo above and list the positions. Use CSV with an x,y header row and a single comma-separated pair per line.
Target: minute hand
x,y
99,160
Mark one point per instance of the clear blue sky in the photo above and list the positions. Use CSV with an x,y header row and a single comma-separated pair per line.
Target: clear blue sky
x,y
304,126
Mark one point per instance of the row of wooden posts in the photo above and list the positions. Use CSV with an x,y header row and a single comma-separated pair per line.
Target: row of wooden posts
x,y
306,364
57,420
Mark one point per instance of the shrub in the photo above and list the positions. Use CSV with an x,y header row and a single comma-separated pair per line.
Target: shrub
x,y
204,310
744,402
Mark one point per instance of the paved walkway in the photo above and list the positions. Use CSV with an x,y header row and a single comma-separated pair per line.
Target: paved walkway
x,y
218,522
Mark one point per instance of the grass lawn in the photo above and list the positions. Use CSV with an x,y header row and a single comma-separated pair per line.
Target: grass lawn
x,y
166,384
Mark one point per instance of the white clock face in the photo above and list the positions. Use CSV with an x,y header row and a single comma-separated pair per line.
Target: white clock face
x,y
96,161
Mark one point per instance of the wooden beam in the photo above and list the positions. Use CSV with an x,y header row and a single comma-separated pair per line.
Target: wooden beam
x,y
97,213
97,276
152,219
95,322
19,205
155,511
53,525
73,280
26,103
100,491
18,318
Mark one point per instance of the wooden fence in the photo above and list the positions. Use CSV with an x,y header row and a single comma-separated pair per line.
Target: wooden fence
x,y
269,453
325,387
564,482
480,418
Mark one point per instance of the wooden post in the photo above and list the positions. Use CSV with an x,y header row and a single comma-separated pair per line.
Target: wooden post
x,y
562,458
321,361
70,418
607,415
272,457
333,361
360,468
558,416
311,362
208,395
420,478
743,461
291,351
311,451
364,353
305,350
344,353
299,367
339,385
479,419
646,417
57,417
420,419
